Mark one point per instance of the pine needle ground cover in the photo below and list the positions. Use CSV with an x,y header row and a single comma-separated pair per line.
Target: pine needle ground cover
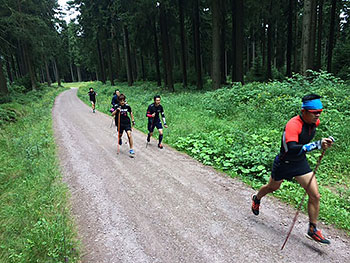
x,y
35,224
238,129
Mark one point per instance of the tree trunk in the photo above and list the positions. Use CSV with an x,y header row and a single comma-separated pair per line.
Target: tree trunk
x,y
295,63
222,43
269,50
156,54
142,67
48,78
54,70
3,82
274,43
30,67
307,41
197,46
127,56
237,41
263,44
248,55
319,35
19,64
8,69
13,66
71,72
290,38
115,45
253,50
58,78
281,43
134,64
101,62
166,48
42,76
216,27
110,64
312,46
183,43
331,36
79,74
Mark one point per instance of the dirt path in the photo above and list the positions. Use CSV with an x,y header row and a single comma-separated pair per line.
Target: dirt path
x,y
163,206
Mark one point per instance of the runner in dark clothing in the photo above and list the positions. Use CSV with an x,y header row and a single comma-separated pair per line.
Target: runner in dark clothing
x,y
115,100
125,124
291,162
153,112
92,95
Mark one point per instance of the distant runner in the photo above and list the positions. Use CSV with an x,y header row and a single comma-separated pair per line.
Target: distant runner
x,y
125,124
153,112
115,100
92,95
291,162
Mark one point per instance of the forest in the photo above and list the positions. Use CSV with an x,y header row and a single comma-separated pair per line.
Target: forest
x,y
230,72
200,43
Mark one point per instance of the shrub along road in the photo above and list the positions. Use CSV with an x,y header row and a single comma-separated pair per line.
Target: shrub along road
x,y
163,206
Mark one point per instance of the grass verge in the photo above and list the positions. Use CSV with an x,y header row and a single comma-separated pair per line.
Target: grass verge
x,y
35,223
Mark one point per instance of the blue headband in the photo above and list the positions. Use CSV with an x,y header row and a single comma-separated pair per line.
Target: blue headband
x,y
312,105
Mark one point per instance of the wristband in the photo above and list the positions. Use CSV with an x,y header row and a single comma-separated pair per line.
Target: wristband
x,y
312,146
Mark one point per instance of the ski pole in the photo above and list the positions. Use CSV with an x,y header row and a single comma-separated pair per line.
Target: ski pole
x,y
118,132
302,200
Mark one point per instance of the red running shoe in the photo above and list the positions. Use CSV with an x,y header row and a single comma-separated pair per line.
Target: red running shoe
x,y
255,205
317,236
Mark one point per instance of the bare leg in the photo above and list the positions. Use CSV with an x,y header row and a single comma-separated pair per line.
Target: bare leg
x,y
313,205
131,142
270,187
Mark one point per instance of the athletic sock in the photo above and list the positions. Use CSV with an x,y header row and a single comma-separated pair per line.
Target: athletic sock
x,y
160,139
256,199
312,226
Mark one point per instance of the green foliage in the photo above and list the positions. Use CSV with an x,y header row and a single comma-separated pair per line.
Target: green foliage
x,y
245,154
35,224
22,84
238,129
10,112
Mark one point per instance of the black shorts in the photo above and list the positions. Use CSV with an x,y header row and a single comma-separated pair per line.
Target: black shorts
x,y
124,127
288,169
157,124
93,101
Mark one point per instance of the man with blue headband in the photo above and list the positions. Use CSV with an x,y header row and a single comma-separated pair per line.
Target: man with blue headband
x,y
291,162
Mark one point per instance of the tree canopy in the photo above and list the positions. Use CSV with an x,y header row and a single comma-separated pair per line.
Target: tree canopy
x,y
195,42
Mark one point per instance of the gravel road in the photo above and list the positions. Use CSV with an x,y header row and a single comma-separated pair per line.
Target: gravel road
x,y
163,206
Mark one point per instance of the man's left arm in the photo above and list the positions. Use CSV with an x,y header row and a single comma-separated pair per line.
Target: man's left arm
x,y
132,116
163,117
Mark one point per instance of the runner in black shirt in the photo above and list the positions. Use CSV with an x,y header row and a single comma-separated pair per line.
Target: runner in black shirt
x,y
153,112
115,100
92,95
291,162
125,124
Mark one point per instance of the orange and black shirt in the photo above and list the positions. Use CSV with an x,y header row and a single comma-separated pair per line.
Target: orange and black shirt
x,y
296,134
